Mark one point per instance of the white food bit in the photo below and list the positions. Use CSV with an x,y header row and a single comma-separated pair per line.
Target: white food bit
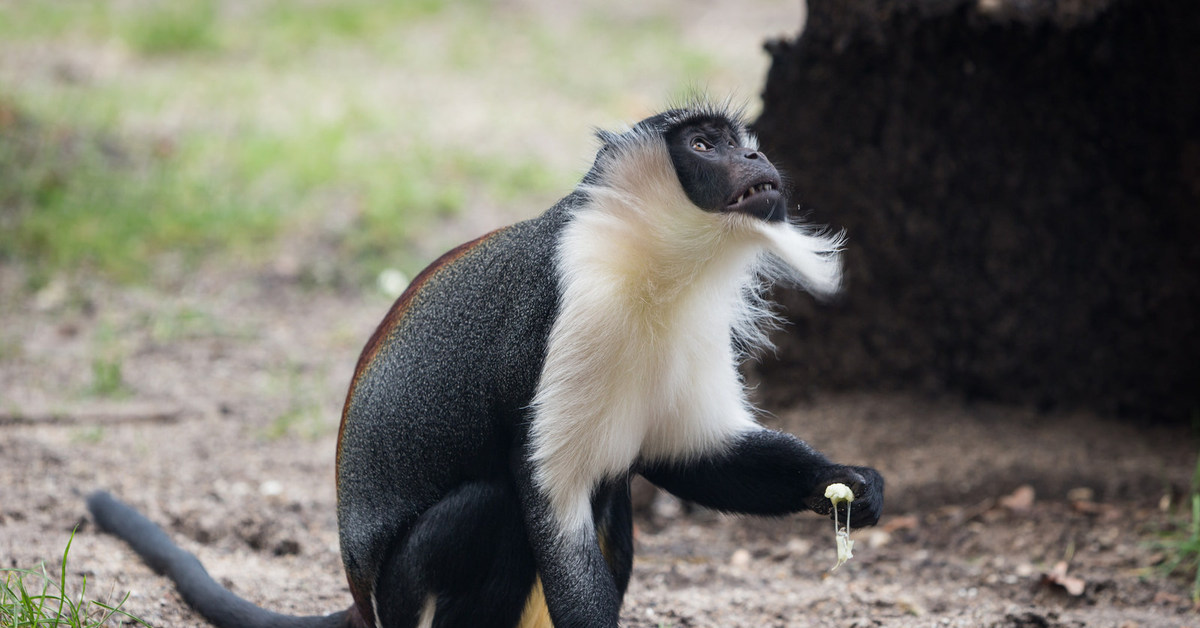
x,y
838,493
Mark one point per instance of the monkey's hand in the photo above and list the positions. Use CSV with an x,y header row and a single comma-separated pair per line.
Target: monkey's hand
x,y
867,485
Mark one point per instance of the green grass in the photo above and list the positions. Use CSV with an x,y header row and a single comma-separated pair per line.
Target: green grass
x,y
89,435
304,416
39,599
1180,543
108,357
298,421
107,380
10,348
139,139
75,198
188,323
1182,549
180,26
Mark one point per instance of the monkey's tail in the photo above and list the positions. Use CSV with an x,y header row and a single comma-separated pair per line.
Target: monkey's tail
x,y
217,604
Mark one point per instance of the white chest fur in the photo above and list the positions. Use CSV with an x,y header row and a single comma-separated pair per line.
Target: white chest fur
x,y
634,368
640,362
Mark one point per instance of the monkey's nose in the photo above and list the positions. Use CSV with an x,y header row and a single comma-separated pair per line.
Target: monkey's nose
x,y
752,154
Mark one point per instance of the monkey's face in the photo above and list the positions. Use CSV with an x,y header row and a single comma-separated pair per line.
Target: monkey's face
x,y
721,174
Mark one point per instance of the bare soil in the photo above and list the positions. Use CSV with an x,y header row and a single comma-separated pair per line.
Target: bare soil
x,y
224,430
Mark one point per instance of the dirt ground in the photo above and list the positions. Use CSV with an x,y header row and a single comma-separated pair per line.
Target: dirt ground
x,y
223,432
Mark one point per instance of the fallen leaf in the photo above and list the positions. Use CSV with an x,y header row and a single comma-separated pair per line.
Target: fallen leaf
x,y
1083,499
1058,577
1021,500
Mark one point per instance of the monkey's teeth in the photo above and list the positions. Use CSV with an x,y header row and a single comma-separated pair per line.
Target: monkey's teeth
x,y
754,189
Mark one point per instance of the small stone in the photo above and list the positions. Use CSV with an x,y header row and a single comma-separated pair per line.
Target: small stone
x,y
878,538
798,547
910,606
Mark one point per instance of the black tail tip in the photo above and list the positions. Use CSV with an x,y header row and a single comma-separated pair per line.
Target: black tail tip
x,y
99,500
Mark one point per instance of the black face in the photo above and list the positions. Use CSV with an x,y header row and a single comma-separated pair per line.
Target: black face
x,y
720,175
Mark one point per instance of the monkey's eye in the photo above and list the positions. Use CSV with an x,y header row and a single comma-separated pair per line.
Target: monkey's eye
x,y
700,144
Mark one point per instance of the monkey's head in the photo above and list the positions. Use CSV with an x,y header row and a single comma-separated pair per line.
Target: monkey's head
x,y
692,180
712,155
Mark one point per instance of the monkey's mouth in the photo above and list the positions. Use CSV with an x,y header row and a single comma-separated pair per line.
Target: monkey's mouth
x,y
762,199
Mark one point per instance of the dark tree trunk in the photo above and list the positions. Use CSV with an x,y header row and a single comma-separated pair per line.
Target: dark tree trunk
x,y
1021,189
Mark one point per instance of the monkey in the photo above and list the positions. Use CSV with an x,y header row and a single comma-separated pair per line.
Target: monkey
x,y
498,412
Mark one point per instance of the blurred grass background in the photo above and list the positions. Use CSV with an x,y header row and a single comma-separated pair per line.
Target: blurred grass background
x,y
141,141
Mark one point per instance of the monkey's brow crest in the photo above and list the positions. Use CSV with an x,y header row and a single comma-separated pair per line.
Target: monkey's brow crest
x,y
693,111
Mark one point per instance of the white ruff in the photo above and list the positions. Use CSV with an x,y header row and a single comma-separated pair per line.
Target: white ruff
x,y
640,362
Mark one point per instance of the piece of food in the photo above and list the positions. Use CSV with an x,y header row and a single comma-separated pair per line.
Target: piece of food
x,y
836,494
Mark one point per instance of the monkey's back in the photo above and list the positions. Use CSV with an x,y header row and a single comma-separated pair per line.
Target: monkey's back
x,y
416,423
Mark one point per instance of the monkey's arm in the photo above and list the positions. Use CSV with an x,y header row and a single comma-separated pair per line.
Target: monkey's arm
x,y
766,472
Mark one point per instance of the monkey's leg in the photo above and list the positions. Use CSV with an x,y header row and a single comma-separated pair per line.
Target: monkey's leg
x,y
614,529
580,588
768,473
468,554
